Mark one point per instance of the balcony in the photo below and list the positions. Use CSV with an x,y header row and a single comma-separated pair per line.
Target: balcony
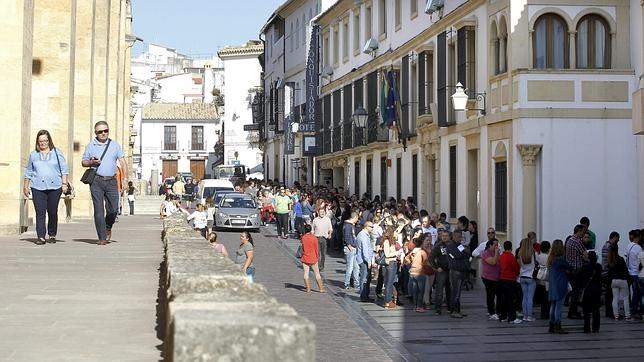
x,y
375,133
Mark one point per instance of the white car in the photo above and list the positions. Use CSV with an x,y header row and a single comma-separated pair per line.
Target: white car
x,y
208,187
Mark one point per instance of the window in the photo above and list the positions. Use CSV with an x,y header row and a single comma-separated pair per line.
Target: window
x,y
367,23
170,138
503,46
466,59
500,196
326,49
398,178
413,8
382,18
303,29
369,177
383,178
397,14
356,179
452,181
356,32
550,42
290,39
345,41
336,46
197,138
593,43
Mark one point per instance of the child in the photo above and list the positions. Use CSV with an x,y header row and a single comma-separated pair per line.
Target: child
x,y
212,238
168,206
591,278
200,217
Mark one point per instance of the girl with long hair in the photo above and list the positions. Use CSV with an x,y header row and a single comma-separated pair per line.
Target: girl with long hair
x,y
388,246
219,247
558,269
528,284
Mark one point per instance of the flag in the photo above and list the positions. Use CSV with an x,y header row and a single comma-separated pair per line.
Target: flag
x,y
384,88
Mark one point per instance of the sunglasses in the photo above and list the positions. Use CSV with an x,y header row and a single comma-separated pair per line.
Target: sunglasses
x,y
102,131
490,232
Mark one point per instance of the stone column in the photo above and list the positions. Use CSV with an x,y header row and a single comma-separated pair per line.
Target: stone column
x,y
16,140
572,36
529,155
99,61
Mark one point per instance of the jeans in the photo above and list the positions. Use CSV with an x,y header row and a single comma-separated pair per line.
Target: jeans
x,y
390,277
528,286
299,226
456,279
352,267
620,292
417,289
491,292
282,224
322,250
365,280
46,201
636,296
442,279
556,307
105,198
250,274
131,203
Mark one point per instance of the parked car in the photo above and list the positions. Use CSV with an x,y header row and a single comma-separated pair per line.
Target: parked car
x,y
237,211
208,187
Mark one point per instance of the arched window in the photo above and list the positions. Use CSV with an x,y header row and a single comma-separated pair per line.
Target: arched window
x,y
503,46
550,42
593,42
494,42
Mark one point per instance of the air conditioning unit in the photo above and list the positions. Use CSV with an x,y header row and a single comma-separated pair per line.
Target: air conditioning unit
x,y
370,46
327,71
433,5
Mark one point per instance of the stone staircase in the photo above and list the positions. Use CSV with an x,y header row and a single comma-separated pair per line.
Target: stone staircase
x,y
147,204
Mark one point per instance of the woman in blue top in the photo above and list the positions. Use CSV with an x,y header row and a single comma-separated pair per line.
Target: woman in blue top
x,y
45,179
558,269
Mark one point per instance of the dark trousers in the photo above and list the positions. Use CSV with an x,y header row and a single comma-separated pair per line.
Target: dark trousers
x,y
636,296
575,294
541,298
299,226
456,279
491,293
442,281
365,280
282,224
403,279
591,310
105,198
507,289
131,203
322,249
380,282
46,202
608,298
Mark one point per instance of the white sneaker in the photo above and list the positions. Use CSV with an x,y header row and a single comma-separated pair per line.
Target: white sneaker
x,y
493,317
516,321
528,319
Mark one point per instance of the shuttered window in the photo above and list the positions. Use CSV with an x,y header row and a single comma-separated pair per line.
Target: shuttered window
x,y
422,58
466,73
404,96
442,80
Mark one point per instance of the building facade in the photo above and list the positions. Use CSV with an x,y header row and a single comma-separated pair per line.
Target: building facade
x,y
65,66
178,137
547,132
243,74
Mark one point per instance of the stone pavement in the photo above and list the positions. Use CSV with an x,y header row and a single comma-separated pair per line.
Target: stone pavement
x,y
404,335
76,301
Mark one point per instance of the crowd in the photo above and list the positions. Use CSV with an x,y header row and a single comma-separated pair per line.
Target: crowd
x,y
420,256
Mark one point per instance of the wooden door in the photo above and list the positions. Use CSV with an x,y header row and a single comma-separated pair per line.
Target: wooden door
x,y
169,168
198,169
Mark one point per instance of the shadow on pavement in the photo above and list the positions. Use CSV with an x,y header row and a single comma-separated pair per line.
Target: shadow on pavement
x,y
88,241
294,286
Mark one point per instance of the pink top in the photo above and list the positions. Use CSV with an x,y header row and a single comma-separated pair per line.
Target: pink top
x,y
489,272
219,248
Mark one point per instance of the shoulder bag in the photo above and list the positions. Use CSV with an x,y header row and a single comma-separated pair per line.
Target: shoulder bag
x,y
380,258
70,188
90,173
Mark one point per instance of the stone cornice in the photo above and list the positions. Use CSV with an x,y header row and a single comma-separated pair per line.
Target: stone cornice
x,y
529,153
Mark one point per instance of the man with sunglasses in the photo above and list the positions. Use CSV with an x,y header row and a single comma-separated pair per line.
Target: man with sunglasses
x,y
103,154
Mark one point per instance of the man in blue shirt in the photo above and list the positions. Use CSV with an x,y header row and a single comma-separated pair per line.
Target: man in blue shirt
x,y
349,233
364,256
105,195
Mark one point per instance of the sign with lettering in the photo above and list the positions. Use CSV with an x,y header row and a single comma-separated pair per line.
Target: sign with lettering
x,y
289,137
312,74
251,127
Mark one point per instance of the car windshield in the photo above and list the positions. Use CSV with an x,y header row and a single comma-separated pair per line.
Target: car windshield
x,y
229,171
237,202
210,191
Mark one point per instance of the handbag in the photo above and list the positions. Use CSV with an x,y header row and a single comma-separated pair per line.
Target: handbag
x,y
90,173
542,274
380,258
535,271
70,188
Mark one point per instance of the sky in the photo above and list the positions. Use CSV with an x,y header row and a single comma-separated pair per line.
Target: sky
x,y
199,26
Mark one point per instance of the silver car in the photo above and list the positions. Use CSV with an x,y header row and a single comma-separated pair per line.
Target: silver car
x,y
237,211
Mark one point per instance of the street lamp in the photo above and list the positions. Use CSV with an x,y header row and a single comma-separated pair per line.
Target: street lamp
x,y
459,99
360,116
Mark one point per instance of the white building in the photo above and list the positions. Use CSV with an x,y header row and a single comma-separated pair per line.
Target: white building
x,y
242,71
178,137
287,35
551,140
637,60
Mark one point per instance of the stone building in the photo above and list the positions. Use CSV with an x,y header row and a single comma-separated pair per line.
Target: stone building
x,y
65,65
546,136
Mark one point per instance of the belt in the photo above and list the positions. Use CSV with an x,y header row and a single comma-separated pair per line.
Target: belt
x,y
105,177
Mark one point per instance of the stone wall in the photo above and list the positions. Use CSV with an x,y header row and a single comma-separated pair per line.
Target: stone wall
x,y
214,313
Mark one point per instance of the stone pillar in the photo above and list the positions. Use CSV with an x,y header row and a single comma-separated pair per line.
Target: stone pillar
x,y
113,53
572,35
16,141
99,61
529,155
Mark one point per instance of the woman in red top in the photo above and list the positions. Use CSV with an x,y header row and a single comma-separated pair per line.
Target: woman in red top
x,y
309,258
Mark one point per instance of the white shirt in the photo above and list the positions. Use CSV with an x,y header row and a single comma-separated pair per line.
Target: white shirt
x,y
200,219
433,232
169,208
415,223
641,259
632,260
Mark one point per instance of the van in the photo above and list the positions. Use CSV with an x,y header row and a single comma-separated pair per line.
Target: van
x,y
208,187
